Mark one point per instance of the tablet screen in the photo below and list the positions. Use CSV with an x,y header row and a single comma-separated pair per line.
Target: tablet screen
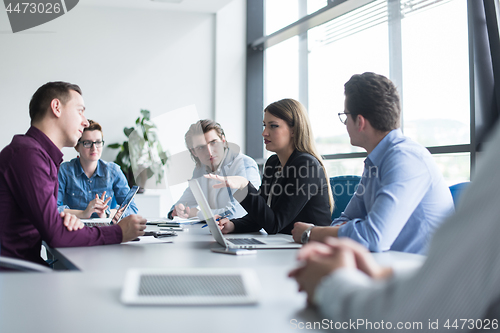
x,y
128,199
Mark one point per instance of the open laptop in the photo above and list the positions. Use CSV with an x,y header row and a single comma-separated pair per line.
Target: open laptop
x,y
235,243
103,222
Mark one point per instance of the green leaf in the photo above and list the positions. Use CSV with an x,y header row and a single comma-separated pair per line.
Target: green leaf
x,y
128,131
145,113
115,146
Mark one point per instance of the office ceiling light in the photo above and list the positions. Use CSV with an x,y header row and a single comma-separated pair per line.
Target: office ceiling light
x,y
168,1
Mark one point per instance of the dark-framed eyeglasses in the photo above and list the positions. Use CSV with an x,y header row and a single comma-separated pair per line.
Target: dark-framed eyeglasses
x,y
88,143
204,148
343,117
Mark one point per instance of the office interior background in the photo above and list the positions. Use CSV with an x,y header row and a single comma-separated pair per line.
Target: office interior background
x,y
230,58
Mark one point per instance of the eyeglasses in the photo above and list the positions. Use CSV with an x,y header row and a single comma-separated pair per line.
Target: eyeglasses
x,y
343,117
204,148
88,143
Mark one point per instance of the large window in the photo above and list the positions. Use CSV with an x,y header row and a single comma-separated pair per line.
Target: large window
x,y
312,47
337,50
436,74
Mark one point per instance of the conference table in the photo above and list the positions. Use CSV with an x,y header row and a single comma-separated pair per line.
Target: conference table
x,y
86,297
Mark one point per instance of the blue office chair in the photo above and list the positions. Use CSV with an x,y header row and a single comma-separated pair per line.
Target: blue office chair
x,y
343,188
457,190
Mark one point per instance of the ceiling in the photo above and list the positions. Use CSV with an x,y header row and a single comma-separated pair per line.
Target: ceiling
x,y
204,6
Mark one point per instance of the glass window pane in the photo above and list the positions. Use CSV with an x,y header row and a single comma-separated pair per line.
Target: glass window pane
x,y
280,13
454,167
281,78
315,5
281,71
345,167
332,62
436,108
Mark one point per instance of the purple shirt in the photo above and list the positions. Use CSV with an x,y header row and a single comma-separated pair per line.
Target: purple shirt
x,y
28,201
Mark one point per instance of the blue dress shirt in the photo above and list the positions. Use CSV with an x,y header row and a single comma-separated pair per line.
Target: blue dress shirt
x,y
76,190
401,200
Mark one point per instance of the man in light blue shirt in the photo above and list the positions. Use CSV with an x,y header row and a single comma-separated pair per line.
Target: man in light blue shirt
x,y
402,197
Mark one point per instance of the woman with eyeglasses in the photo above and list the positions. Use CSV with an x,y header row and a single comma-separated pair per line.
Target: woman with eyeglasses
x,y
87,184
209,149
295,186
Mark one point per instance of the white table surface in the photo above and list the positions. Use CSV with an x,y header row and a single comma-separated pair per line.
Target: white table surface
x,y
89,300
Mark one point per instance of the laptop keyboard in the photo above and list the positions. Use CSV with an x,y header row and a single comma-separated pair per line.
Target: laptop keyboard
x,y
244,241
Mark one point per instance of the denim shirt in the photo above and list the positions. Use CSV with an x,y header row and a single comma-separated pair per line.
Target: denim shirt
x,y
76,190
401,200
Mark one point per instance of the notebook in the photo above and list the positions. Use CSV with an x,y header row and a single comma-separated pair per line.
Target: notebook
x,y
190,286
103,222
238,243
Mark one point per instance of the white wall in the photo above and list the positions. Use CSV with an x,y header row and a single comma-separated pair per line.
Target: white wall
x,y
123,59
127,59
230,61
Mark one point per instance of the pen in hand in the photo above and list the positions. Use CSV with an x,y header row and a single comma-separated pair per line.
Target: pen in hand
x,y
220,218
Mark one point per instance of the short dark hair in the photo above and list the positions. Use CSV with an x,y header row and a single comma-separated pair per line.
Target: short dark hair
x,y
374,97
40,102
93,126
201,127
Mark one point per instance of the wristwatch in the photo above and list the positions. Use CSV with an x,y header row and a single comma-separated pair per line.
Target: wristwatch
x,y
306,234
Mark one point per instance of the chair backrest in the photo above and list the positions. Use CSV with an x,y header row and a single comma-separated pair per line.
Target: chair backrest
x,y
457,190
343,188
11,264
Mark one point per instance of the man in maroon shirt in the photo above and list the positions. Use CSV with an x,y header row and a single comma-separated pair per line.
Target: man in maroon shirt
x,y
28,181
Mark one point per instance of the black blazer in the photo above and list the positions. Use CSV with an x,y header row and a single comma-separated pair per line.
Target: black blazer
x,y
300,194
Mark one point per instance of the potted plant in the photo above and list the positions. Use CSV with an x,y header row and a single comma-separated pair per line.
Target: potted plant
x,y
141,156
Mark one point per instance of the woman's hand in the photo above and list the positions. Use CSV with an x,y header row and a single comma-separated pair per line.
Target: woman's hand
x,y
98,205
236,182
225,225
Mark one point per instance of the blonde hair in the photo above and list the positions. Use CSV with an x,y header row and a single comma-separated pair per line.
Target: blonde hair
x,y
295,115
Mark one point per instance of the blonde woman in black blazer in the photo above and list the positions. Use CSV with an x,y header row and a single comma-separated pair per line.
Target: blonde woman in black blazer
x,y
295,186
